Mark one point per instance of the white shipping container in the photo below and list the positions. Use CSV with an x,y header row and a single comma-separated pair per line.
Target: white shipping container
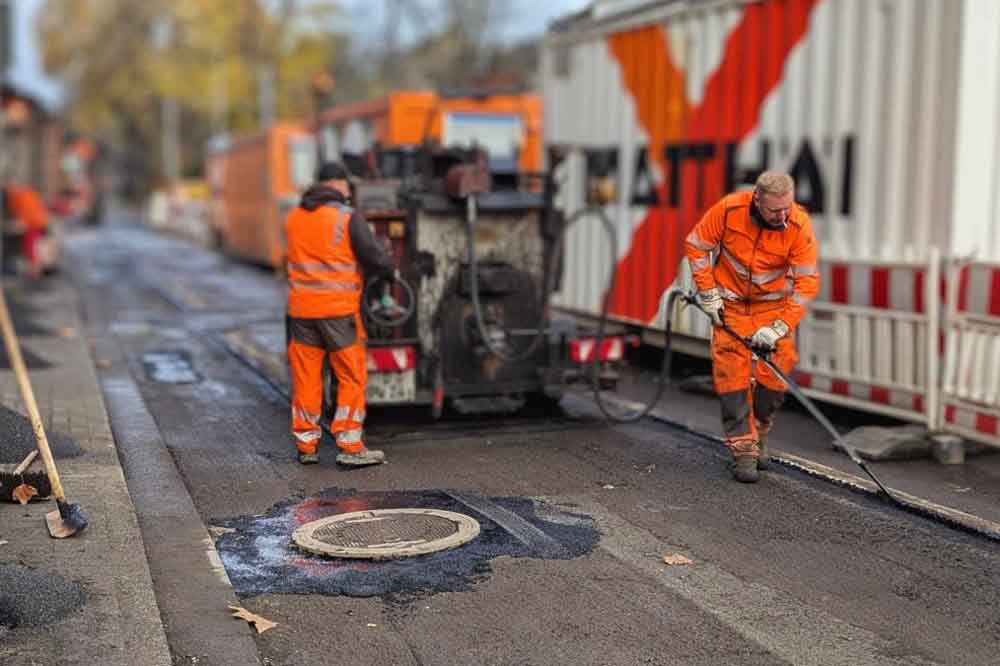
x,y
887,113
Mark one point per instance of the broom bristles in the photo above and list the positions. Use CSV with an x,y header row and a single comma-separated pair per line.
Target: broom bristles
x,y
39,480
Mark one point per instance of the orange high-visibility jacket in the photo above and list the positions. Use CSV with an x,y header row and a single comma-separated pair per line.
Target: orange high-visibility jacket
x,y
324,279
756,269
27,206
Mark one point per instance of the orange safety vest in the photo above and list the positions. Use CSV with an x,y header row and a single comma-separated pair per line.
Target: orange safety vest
x,y
323,276
27,206
755,269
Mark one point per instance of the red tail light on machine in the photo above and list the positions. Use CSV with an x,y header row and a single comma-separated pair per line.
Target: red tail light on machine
x,y
582,349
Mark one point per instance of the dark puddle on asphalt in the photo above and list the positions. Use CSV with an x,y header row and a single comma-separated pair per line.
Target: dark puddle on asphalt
x,y
32,597
170,367
260,557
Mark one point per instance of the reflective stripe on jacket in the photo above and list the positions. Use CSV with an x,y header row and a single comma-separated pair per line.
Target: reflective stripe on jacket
x,y
324,279
758,268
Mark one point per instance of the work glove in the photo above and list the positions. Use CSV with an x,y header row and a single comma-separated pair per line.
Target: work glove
x,y
766,338
710,301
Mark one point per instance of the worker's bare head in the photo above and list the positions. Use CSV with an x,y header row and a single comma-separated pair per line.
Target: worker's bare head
x,y
773,195
334,175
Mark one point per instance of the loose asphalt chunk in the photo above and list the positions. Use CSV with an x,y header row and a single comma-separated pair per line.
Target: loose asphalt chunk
x,y
32,597
18,439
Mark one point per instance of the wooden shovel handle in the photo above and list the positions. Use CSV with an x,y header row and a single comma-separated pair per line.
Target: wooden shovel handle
x,y
21,371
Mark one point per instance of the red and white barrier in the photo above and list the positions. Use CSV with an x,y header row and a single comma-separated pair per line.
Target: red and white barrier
x,y
970,381
869,339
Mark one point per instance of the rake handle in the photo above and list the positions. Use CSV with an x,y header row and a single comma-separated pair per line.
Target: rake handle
x,y
21,372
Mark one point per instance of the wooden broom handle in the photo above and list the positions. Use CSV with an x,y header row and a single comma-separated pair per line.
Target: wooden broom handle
x,y
17,361
26,462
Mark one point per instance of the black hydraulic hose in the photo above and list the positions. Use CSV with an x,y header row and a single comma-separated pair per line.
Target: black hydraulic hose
x,y
810,406
595,362
470,224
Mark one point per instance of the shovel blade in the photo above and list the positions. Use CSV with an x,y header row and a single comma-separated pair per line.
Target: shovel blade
x,y
65,522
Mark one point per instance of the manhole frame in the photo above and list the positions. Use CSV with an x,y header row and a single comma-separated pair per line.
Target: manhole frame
x,y
467,529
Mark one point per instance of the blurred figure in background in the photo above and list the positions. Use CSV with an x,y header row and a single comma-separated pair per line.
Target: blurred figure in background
x,y
30,218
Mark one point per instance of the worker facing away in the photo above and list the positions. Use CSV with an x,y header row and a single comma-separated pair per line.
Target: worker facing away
x,y
330,247
754,260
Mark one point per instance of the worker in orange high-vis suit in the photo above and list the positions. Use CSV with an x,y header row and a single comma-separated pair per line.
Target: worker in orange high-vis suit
x,y
28,209
329,245
753,257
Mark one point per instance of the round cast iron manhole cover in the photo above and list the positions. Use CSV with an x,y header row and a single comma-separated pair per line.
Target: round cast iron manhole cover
x,y
386,533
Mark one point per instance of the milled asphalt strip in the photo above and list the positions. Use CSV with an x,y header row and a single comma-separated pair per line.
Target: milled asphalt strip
x,y
191,584
927,509
786,627
529,535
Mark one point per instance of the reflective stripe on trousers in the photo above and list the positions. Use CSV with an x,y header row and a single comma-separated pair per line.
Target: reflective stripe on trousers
x,y
351,369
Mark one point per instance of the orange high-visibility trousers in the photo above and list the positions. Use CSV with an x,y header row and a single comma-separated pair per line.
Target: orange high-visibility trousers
x,y
350,366
745,414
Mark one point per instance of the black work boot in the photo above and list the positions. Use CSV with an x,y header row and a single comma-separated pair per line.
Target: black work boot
x,y
745,469
764,459
308,458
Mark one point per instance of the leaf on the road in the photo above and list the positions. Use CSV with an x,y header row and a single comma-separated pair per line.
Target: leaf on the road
x,y
259,623
67,332
103,364
216,531
23,493
676,559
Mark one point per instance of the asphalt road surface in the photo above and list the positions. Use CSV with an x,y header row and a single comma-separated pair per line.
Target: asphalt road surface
x,y
577,516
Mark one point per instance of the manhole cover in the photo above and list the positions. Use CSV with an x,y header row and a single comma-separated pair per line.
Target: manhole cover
x,y
386,533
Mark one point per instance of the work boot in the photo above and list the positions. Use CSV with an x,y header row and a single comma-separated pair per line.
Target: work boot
x,y
745,469
764,459
308,458
361,458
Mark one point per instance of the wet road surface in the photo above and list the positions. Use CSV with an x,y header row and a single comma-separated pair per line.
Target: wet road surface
x,y
788,571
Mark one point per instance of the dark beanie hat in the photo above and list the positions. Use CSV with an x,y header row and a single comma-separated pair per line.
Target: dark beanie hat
x,y
331,171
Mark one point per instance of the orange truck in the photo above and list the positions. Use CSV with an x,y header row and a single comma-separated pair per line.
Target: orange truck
x,y
254,181
507,126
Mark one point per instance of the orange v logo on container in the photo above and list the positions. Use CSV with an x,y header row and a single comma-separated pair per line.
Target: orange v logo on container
x,y
686,140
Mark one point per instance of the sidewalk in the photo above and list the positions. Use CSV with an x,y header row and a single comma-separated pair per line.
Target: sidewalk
x,y
87,599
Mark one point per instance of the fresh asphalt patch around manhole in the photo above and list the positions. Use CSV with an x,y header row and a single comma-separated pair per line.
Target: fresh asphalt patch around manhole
x,y
32,597
260,557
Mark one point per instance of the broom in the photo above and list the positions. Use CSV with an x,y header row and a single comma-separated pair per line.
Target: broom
x,y
21,486
69,519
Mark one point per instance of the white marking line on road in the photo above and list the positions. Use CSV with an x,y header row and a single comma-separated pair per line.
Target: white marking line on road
x,y
783,625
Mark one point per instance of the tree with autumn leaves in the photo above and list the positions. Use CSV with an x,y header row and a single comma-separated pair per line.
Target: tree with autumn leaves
x,y
128,63
155,77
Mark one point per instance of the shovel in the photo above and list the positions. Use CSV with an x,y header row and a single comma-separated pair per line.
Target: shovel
x,y
69,519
